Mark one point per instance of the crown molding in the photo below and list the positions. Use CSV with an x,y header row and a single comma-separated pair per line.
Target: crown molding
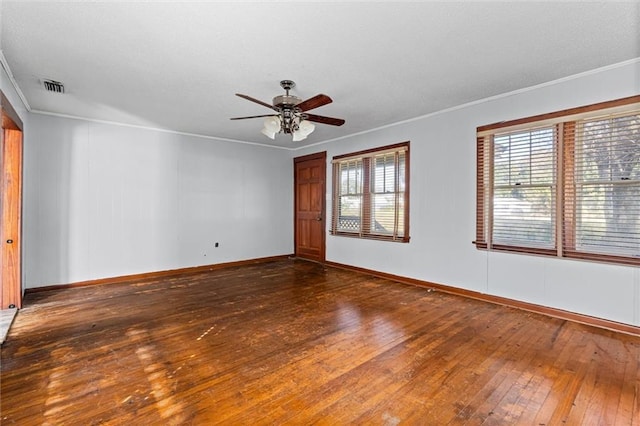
x,y
14,83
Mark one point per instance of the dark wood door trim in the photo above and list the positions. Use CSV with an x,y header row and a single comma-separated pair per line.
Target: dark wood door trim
x,y
10,118
322,156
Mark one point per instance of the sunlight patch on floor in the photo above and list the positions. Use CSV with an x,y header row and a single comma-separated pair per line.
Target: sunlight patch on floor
x,y
159,378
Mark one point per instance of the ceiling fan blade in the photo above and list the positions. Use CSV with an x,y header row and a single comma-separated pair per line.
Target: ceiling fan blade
x,y
315,102
253,116
249,98
325,120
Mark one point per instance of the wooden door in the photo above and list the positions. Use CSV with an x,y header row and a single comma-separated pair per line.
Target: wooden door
x,y
309,184
10,208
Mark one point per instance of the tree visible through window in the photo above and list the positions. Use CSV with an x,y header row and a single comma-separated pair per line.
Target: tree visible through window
x,y
607,185
564,184
371,197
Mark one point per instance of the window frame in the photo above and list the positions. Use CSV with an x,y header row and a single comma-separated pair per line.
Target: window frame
x,y
367,159
566,122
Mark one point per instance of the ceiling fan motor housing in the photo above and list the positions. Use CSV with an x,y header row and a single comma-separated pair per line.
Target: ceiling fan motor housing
x,y
286,104
286,101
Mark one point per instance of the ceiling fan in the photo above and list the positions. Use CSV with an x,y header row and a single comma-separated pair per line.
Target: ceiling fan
x,y
292,116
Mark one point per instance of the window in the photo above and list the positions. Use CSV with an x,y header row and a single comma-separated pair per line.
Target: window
x,y
524,183
371,194
564,184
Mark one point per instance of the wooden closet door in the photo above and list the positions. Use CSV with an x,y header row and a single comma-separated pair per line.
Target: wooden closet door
x,y
309,184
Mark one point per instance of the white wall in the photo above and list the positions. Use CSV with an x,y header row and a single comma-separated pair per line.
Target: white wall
x,y
443,207
103,200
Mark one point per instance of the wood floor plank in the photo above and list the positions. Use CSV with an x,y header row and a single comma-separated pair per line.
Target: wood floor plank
x,y
629,402
295,342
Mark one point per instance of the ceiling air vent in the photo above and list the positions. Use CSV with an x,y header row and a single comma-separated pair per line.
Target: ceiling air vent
x,y
53,86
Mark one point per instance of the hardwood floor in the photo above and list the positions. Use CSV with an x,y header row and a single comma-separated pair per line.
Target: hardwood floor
x,y
294,342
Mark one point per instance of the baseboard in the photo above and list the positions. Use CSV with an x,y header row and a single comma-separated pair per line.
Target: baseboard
x,y
530,307
159,274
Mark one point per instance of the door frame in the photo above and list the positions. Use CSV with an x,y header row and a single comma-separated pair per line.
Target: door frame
x,y
11,144
316,156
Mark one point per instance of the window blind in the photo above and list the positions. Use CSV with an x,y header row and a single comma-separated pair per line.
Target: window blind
x,y
370,198
388,188
606,184
524,182
350,196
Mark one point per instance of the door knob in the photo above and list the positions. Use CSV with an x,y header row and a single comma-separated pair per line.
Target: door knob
x,y
319,218
9,241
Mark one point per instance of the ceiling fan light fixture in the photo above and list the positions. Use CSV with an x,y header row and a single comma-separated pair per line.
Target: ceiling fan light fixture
x,y
272,126
298,136
305,128
268,133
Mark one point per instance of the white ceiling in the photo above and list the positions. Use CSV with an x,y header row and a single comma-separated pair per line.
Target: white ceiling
x,y
177,65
